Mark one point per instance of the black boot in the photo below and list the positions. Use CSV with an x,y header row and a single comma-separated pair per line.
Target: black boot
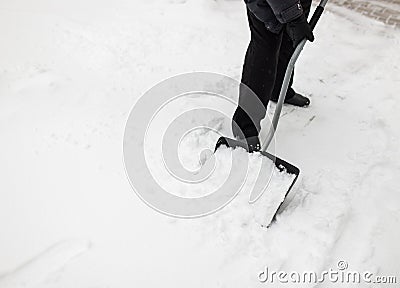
x,y
251,144
296,100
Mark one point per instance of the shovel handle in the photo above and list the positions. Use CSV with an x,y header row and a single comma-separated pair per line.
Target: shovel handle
x,y
317,14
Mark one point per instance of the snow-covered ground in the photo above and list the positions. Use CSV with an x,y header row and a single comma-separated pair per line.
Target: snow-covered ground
x,y
70,71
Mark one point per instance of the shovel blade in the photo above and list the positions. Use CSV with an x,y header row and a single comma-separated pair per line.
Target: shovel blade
x,y
281,165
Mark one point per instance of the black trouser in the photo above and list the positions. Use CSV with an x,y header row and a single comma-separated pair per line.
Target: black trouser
x,y
264,68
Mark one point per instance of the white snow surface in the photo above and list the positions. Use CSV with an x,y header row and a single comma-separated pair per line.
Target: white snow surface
x,y
70,71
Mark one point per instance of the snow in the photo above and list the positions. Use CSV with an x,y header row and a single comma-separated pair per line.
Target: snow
x,y
70,71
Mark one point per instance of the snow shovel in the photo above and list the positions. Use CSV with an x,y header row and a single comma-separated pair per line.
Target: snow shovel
x,y
282,165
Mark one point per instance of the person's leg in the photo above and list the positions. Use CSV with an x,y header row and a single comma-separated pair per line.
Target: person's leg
x,y
259,72
285,53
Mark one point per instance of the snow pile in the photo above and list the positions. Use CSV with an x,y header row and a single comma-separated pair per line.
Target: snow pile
x,y
69,73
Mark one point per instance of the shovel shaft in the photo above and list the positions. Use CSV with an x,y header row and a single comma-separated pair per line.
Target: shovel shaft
x,y
289,70
317,14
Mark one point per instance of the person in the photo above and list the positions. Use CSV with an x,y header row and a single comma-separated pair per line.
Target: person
x,y
276,27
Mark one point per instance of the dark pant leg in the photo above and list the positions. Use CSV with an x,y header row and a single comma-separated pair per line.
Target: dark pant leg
x,y
285,53
259,72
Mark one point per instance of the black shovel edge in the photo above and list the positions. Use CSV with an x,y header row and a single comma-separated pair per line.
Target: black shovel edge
x,y
282,165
